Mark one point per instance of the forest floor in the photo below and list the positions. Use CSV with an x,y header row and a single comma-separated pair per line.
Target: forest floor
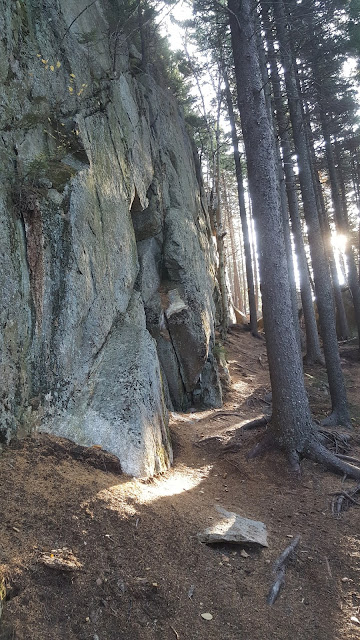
x,y
142,572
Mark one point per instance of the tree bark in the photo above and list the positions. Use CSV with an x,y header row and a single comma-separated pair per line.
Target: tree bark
x,y
242,207
341,220
313,350
323,288
283,199
341,319
236,277
220,232
291,420
323,95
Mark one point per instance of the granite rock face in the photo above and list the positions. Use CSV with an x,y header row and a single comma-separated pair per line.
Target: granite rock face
x,y
107,269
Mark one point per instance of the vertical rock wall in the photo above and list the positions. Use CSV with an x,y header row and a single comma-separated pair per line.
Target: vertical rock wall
x,y
107,273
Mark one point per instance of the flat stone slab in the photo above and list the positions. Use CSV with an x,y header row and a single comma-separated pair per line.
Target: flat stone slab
x,y
235,529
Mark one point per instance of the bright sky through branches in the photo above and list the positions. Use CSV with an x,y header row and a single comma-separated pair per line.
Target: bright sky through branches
x,y
181,11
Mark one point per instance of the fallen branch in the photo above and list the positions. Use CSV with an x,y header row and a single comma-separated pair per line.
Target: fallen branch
x,y
279,570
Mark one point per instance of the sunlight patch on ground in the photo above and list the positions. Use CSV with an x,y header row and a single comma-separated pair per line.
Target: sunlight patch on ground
x,y
183,417
241,387
189,418
120,497
173,483
123,497
350,601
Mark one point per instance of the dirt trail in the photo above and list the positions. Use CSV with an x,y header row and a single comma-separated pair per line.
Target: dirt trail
x,y
144,574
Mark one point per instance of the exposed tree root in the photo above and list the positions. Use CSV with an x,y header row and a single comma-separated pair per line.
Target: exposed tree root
x,y
343,499
335,440
234,444
255,424
355,461
224,414
316,451
256,334
294,460
267,443
279,570
316,359
335,419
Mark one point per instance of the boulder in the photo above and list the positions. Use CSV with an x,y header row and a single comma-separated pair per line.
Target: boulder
x,y
233,528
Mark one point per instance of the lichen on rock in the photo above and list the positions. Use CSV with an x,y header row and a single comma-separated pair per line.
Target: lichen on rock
x,y
101,219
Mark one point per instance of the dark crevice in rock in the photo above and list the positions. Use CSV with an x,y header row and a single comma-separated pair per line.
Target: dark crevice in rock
x,y
79,353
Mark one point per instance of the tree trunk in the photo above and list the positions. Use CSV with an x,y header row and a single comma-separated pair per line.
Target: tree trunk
x,y
283,199
291,420
324,296
220,232
238,301
254,258
339,204
242,208
313,350
341,221
342,323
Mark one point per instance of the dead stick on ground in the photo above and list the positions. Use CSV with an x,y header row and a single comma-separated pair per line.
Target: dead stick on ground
x,y
176,633
279,570
328,567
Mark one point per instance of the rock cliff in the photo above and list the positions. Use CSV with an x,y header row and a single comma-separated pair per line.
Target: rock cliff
x,y
107,269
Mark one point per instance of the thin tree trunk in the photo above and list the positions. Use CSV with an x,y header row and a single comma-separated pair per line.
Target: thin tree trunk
x,y
324,296
313,350
236,278
144,32
220,233
342,222
210,175
342,323
244,288
242,207
254,257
